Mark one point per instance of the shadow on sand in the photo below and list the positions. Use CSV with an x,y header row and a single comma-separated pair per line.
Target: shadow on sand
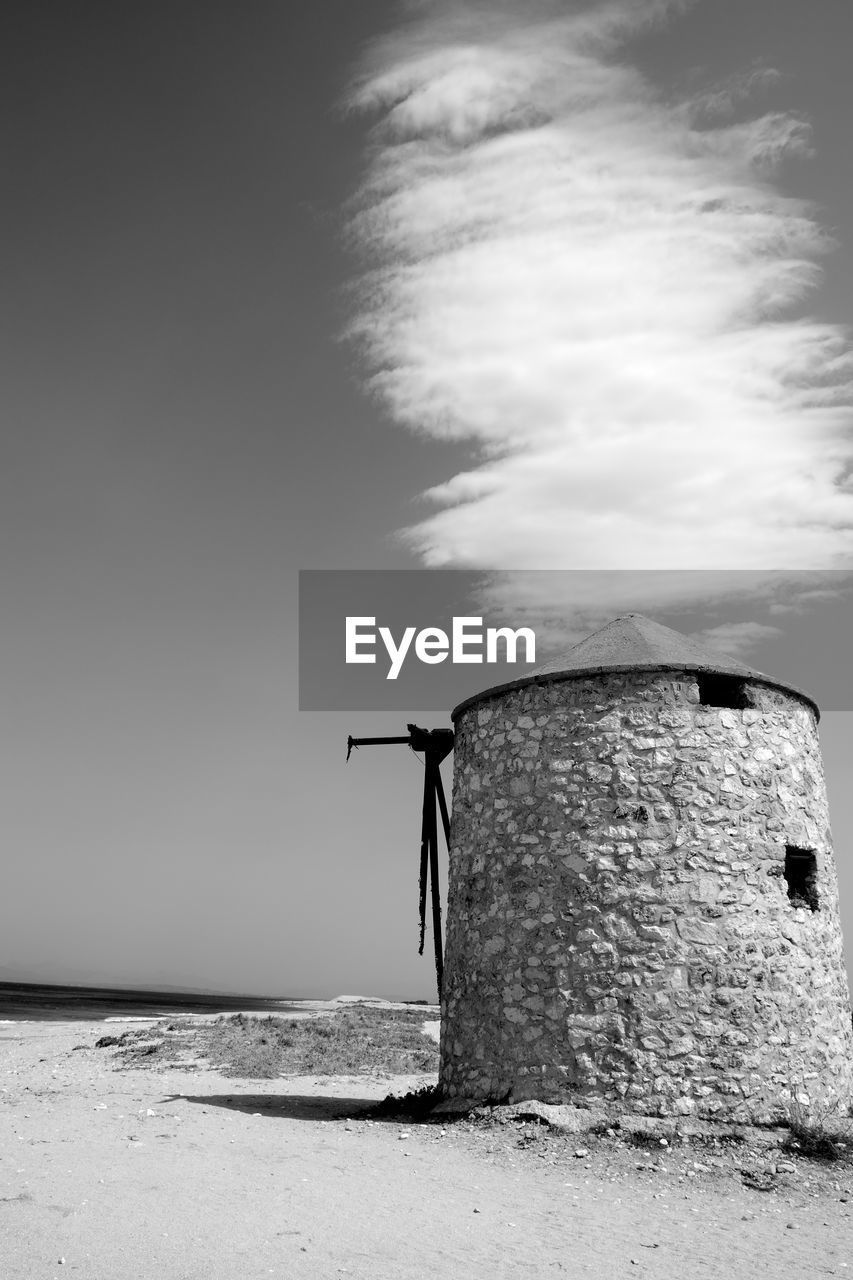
x,y
286,1106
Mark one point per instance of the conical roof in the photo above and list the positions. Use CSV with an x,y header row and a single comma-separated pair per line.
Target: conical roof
x,y
633,642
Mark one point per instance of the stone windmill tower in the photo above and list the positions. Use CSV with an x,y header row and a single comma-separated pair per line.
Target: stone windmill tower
x,y
643,906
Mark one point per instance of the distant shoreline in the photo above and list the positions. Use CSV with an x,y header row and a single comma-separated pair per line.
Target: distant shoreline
x,y
52,1002
27,1002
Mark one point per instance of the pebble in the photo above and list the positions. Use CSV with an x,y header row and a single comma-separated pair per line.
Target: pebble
x,y
581,1152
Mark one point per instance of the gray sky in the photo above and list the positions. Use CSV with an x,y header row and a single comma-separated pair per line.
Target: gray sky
x,y
185,427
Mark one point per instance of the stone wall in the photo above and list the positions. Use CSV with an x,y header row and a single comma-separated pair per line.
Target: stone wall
x,y
619,926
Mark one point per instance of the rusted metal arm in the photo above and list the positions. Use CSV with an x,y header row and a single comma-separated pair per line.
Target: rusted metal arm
x,y
376,742
434,742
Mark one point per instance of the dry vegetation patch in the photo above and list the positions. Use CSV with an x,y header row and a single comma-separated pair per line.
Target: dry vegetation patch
x,y
824,1132
359,1040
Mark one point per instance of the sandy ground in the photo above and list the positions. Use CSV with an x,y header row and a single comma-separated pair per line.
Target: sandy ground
x,y
114,1174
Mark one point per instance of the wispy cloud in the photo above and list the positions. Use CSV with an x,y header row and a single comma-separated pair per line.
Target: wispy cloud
x,y
736,638
565,606
601,290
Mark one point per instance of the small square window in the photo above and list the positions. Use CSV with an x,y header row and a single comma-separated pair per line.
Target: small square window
x,y
723,691
801,877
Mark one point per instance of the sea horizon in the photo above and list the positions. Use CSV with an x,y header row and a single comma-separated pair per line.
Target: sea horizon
x,y
40,1001
51,1002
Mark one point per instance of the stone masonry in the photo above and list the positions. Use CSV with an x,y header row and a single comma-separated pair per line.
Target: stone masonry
x,y
643,907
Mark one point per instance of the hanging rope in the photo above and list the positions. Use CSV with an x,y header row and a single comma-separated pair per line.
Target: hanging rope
x,y
435,745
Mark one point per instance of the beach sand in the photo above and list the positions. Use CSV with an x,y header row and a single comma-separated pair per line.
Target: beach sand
x,y
108,1173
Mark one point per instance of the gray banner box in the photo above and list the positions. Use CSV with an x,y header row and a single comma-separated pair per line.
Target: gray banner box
x,y
799,621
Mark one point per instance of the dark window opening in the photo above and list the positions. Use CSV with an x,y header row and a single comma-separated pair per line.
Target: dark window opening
x,y
723,691
801,877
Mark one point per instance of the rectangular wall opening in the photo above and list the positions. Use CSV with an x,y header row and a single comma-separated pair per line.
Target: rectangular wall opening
x,y
801,877
723,691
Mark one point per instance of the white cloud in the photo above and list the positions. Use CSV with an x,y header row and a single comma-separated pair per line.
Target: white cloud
x,y
599,289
